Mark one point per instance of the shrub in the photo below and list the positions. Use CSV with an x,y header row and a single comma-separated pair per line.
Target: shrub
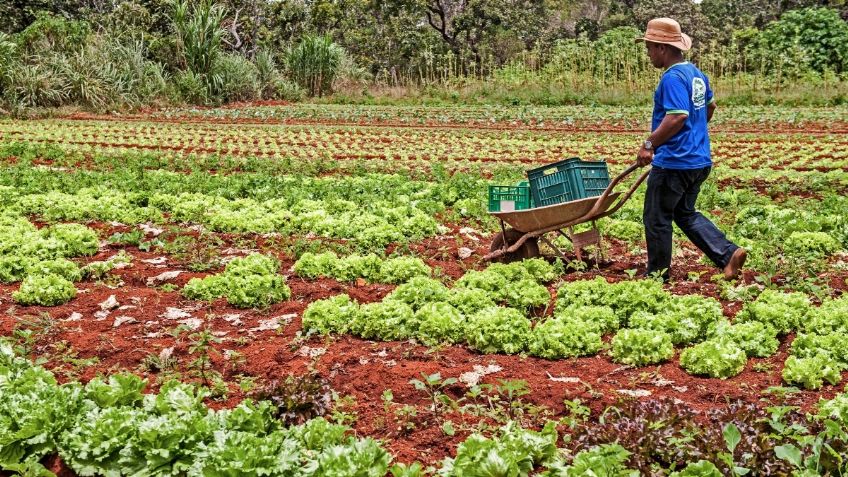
x,y
314,63
715,358
45,290
237,79
641,347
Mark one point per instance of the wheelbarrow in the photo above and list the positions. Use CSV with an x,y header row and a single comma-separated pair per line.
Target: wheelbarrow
x,y
529,226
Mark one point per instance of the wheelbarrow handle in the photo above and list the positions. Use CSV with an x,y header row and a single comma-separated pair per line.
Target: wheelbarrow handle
x,y
594,213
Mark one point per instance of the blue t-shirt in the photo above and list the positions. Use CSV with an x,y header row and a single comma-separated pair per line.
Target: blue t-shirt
x,y
683,89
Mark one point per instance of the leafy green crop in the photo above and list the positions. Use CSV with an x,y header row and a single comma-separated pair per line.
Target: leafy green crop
x,y
815,245
111,428
702,468
834,345
753,337
369,267
562,338
498,330
638,347
439,322
512,452
418,292
783,312
835,409
625,298
811,373
331,315
831,316
386,320
609,460
715,358
247,282
601,318
45,290
470,300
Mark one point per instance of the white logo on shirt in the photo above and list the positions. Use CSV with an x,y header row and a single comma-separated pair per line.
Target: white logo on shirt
x,y
699,93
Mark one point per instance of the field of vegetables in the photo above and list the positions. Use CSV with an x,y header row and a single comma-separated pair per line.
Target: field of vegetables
x,y
299,290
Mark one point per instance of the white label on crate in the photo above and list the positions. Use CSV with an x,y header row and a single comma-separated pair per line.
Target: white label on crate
x,y
507,206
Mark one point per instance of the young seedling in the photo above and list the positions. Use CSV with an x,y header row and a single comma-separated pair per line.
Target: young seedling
x,y
433,385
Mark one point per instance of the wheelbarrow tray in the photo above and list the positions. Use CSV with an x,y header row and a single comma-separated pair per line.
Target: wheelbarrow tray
x,y
539,218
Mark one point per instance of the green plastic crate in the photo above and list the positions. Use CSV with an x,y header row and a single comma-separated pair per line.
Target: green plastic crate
x,y
509,198
564,181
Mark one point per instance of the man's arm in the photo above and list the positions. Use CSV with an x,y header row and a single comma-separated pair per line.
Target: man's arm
x,y
710,110
670,125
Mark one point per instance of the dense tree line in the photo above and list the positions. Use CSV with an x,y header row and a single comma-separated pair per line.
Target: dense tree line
x,y
106,52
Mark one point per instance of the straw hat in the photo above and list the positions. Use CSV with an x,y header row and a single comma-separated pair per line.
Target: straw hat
x,y
666,31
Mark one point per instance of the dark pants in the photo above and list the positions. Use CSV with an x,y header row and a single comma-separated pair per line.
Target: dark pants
x,y
671,197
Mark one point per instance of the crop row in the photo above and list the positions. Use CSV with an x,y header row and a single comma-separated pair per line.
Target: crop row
x,y
111,427
373,210
487,310
401,146
759,117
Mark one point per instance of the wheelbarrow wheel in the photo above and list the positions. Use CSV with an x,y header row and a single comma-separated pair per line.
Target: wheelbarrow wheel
x,y
529,249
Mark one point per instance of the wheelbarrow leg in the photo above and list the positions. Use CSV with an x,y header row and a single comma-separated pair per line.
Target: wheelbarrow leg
x,y
549,243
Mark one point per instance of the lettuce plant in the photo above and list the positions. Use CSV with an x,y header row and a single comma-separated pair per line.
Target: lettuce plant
x,y
715,358
811,373
330,315
601,318
247,282
559,338
469,300
638,347
439,322
780,311
45,290
755,338
498,330
418,292
386,320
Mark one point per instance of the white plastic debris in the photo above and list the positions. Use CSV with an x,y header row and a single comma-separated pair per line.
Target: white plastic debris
x,y
472,378
121,320
156,261
193,323
464,252
163,277
109,304
172,313
635,392
149,229
75,316
563,379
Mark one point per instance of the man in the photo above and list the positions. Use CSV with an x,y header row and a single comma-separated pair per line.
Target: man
x,y
679,148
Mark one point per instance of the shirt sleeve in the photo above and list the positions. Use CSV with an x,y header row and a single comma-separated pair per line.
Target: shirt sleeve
x,y
675,95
